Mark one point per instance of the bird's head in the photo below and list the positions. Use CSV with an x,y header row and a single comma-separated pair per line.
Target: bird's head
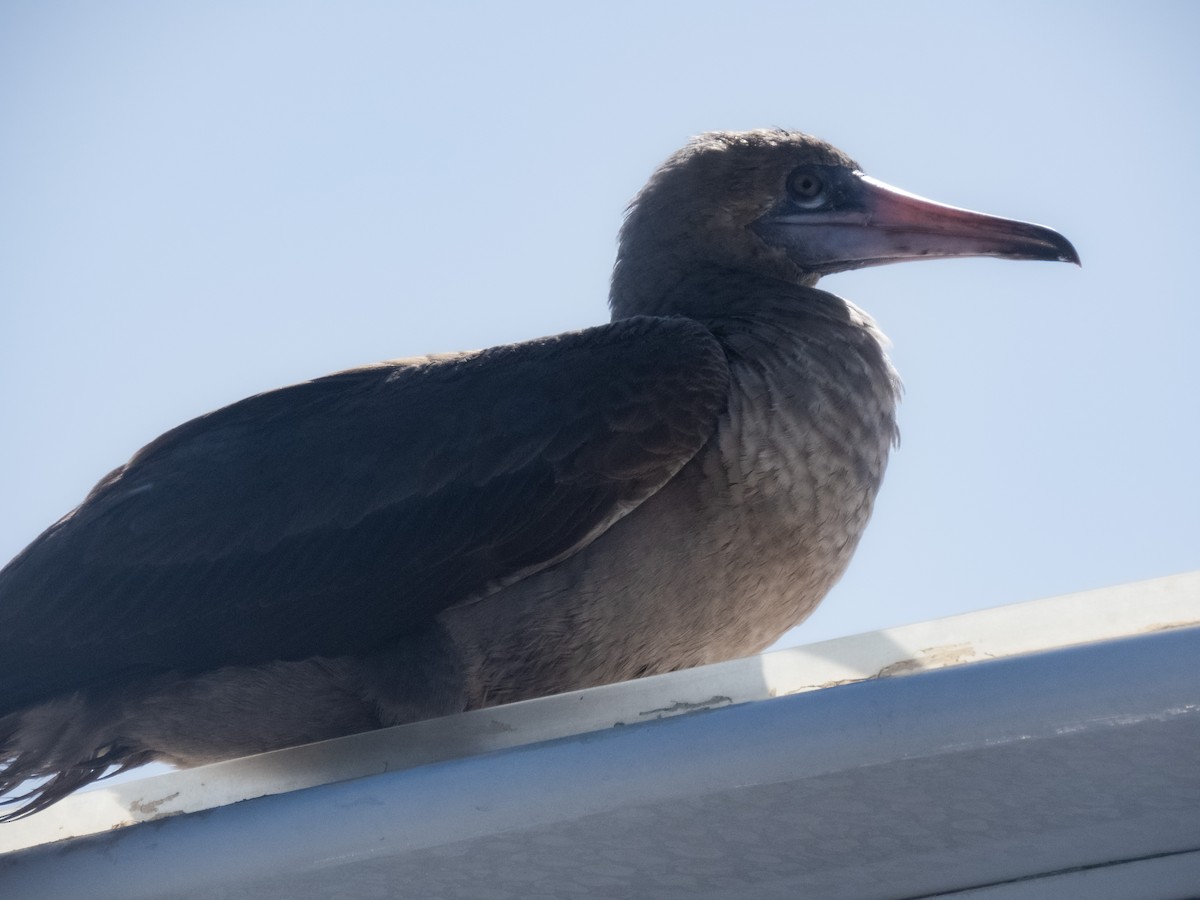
x,y
790,206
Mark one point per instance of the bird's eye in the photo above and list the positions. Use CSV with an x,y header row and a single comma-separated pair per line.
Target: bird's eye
x,y
807,187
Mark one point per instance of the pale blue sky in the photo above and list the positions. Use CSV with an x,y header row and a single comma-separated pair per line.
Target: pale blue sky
x,y
203,201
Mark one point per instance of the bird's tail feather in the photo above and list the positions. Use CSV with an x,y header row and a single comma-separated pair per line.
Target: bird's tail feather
x,y
48,752
79,738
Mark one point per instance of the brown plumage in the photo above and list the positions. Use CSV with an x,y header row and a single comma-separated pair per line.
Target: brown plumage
x,y
421,537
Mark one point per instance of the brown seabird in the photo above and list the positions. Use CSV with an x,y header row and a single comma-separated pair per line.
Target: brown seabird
x,y
415,538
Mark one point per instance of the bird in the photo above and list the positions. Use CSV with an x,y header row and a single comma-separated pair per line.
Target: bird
x,y
425,536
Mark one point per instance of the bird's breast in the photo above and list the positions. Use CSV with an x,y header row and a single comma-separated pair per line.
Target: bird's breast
x,y
738,547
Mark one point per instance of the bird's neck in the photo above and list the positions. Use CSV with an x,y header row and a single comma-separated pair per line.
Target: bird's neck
x,y
654,276
811,362
733,301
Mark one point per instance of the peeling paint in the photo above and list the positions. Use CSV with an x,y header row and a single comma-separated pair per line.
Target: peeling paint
x,y
930,658
149,808
1168,626
682,706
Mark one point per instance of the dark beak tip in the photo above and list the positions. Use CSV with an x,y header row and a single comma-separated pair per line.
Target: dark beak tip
x,y
1056,243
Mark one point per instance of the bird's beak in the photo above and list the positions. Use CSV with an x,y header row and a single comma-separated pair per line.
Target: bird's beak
x,y
873,224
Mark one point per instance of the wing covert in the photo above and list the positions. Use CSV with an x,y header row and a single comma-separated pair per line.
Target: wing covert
x,y
329,516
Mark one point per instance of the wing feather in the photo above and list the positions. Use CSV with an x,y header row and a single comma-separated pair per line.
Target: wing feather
x,y
332,516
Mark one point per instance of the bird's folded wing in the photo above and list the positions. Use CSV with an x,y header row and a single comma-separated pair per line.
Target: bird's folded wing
x,y
327,517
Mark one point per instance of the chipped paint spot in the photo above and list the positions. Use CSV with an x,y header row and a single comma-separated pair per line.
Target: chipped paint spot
x,y
1169,626
682,706
149,809
930,658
